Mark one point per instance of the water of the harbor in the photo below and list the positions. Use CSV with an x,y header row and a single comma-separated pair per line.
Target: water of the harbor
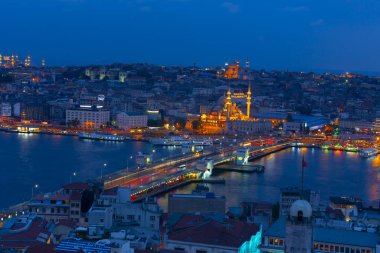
x,y
332,173
49,161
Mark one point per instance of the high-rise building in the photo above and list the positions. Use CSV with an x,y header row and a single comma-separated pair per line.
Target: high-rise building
x,y
88,116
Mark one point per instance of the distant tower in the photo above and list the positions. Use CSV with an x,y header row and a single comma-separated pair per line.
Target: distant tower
x,y
249,101
298,228
13,60
1,60
247,63
27,61
43,63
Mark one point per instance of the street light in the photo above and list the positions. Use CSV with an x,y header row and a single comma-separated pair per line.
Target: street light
x,y
101,170
131,157
34,187
72,175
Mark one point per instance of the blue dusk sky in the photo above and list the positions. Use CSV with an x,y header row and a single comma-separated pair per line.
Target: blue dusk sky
x,y
323,35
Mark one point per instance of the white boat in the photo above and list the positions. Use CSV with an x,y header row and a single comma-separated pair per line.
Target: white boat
x,y
202,142
180,141
359,227
368,152
181,167
100,136
371,228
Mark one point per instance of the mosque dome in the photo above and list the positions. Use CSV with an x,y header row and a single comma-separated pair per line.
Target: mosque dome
x,y
301,207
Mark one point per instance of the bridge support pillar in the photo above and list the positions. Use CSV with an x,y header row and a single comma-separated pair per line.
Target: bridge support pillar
x,y
209,166
242,156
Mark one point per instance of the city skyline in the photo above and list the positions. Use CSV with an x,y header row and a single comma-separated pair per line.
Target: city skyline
x,y
334,36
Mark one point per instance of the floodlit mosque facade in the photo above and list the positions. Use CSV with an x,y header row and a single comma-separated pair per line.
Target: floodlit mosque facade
x,y
230,118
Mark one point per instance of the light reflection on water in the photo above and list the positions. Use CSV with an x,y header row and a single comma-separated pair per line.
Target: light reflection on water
x,y
48,160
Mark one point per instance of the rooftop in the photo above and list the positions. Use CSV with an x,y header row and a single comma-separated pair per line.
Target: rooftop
x,y
345,237
205,230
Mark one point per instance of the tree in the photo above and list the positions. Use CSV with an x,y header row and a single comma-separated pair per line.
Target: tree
x,y
276,211
195,124
155,123
289,118
180,123
87,200
5,78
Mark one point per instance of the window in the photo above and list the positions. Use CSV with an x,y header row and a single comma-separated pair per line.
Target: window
x,y
320,246
341,249
52,210
276,242
270,241
336,248
331,247
326,247
180,249
281,242
101,220
200,251
315,245
152,218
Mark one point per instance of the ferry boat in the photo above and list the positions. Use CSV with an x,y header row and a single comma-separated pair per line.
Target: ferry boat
x,y
100,136
351,148
143,159
180,141
325,146
338,146
368,152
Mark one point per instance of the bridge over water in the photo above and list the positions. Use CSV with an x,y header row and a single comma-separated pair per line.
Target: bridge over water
x,y
163,176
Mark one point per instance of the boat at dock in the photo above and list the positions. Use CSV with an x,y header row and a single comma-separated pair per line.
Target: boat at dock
x,y
100,136
351,148
325,146
368,152
180,141
248,168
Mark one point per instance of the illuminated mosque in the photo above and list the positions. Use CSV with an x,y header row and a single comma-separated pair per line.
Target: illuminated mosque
x,y
217,119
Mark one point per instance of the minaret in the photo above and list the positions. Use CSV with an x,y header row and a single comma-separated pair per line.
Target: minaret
x,y
43,63
13,61
247,63
228,103
249,101
27,61
1,60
